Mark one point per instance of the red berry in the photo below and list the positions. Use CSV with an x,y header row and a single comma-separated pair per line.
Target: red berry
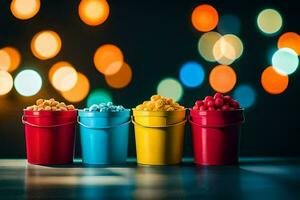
x,y
210,103
235,104
227,99
208,98
195,108
199,103
203,108
218,95
219,102
219,109
211,108
225,107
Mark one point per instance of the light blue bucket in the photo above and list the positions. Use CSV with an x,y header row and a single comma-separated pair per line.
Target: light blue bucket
x,y
104,136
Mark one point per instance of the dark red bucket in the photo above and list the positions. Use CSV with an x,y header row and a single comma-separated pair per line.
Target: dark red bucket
x,y
50,136
216,136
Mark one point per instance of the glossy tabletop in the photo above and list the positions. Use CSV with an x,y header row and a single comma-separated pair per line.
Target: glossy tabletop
x,y
254,178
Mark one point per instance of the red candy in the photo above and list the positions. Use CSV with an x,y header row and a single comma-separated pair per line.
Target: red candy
x,y
218,95
235,104
227,98
225,107
203,108
208,98
210,103
199,103
217,102
211,108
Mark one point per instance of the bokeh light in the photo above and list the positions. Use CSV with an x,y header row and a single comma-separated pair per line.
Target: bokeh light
x,y
290,40
25,9
191,74
273,82
222,78
108,59
79,91
120,79
93,12
285,61
64,78
236,43
15,58
170,88
5,60
6,82
224,53
98,96
229,24
245,95
55,67
45,44
205,18
28,82
269,21
227,49
206,44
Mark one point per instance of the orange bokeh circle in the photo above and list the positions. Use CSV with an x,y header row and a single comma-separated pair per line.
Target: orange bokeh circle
x,y
273,82
222,78
205,18
15,58
79,91
290,40
108,59
93,12
120,79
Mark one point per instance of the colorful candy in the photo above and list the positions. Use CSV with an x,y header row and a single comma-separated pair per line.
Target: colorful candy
x,y
50,105
105,107
217,102
159,103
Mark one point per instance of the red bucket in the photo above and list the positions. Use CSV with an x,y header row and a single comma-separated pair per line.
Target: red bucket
x,y
50,136
216,136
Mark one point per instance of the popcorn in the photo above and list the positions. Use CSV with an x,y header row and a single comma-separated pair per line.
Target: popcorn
x,y
50,105
105,107
159,103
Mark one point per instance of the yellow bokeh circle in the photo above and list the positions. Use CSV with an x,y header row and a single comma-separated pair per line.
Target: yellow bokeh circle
x,y
64,78
5,60
6,82
269,21
45,44
206,44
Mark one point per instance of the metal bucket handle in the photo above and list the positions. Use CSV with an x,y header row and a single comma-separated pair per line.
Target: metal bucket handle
x,y
106,127
44,126
171,125
215,126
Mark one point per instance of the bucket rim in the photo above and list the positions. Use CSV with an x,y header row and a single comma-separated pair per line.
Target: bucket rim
x,y
214,112
82,113
157,113
49,113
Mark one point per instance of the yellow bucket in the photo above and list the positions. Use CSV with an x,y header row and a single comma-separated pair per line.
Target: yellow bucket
x,y
159,136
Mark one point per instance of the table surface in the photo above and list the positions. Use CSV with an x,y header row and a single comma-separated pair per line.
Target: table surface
x,y
254,178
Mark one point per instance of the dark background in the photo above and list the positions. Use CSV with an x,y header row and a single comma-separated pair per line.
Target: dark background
x,y
156,38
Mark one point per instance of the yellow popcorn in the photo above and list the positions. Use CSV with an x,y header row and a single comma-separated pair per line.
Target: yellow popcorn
x,y
159,103
50,105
